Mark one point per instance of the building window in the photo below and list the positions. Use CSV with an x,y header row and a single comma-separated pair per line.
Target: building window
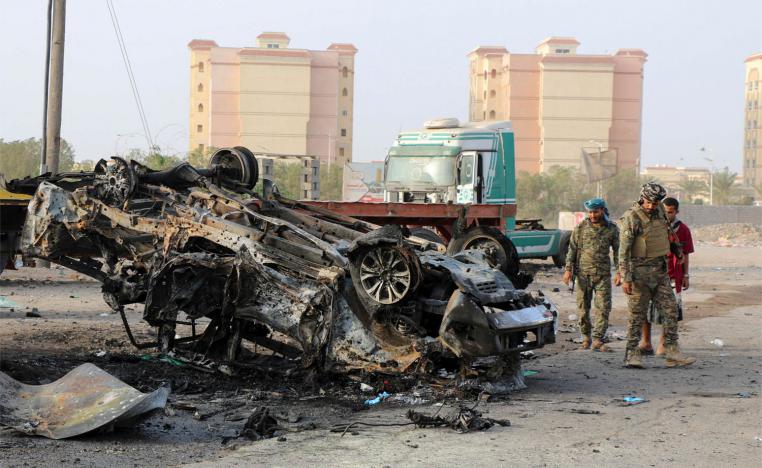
x,y
344,72
273,46
200,66
484,95
343,132
484,115
562,51
492,93
344,92
201,147
200,87
344,112
493,73
341,151
485,74
492,114
199,128
201,108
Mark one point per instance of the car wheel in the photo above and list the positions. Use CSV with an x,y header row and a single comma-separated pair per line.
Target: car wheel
x,y
559,259
385,274
500,251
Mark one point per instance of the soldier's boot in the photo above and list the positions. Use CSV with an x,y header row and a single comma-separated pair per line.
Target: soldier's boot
x,y
660,350
585,343
632,359
675,358
599,345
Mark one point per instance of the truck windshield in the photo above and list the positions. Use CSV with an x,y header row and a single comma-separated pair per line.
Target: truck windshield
x,y
413,170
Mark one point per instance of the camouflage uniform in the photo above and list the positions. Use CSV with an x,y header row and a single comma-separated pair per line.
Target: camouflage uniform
x,y
650,281
589,250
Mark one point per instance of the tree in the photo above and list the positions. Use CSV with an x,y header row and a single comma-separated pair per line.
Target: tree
x,y
153,160
691,188
288,176
622,190
159,161
331,182
21,158
724,186
544,195
566,189
200,158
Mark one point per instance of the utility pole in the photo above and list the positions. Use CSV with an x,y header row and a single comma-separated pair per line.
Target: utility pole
x,y
55,89
54,62
599,183
711,174
43,145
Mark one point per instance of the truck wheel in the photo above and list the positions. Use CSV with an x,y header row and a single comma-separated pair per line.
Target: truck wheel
x,y
427,234
559,259
499,249
385,274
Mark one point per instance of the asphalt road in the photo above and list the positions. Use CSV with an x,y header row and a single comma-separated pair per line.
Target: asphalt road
x,y
571,413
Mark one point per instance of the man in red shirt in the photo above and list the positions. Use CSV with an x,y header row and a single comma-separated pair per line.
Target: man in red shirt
x,y
678,273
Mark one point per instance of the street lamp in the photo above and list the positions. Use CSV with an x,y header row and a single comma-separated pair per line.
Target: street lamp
x,y
711,174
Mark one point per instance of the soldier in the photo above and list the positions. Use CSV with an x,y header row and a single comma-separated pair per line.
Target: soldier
x,y
645,243
588,262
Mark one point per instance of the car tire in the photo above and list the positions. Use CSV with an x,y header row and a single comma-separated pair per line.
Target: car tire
x,y
385,274
487,237
559,259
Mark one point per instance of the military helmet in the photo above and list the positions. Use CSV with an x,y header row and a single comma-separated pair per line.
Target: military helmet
x,y
653,192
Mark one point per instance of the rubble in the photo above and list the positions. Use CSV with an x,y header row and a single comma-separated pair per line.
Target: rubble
x,y
193,244
729,235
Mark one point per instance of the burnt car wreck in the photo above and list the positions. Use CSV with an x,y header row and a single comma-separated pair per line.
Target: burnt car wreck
x,y
194,243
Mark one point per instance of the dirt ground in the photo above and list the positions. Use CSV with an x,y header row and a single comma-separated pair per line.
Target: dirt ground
x,y
571,413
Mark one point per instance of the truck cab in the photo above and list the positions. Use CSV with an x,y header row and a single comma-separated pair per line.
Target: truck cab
x,y
450,162
469,163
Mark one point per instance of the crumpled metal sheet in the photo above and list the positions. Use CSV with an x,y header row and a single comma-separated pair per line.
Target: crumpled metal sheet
x,y
85,399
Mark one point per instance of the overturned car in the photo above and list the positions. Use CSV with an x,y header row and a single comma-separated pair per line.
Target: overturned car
x,y
200,243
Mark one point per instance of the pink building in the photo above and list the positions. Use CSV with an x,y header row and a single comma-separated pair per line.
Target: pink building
x,y
561,102
273,99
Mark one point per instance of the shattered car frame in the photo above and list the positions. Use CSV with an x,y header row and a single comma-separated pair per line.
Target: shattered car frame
x,y
191,243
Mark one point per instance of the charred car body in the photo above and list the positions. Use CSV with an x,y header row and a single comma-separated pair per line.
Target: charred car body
x,y
192,243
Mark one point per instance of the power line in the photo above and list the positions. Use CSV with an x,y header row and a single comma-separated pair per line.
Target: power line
x,y
130,74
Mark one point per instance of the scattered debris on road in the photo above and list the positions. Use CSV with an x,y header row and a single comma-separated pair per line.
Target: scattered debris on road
x,y
632,401
85,399
464,420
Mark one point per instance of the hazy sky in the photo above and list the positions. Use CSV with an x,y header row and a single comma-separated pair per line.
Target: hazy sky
x,y
411,64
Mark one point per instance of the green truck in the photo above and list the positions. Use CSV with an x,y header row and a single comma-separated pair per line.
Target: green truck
x,y
468,164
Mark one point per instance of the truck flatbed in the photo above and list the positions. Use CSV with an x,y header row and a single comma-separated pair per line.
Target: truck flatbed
x,y
439,215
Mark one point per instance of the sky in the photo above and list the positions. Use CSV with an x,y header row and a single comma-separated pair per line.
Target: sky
x,y
411,65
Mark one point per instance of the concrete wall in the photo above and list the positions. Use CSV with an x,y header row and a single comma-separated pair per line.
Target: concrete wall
x,y
702,215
